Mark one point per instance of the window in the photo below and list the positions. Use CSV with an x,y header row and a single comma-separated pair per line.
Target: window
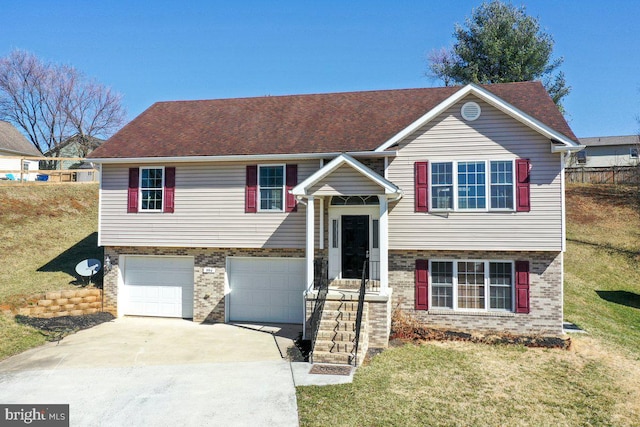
x,y
151,189
465,285
441,186
441,285
582,157
502,185
479,185
633,152
335,233
471,185
354,200
375,231
271,184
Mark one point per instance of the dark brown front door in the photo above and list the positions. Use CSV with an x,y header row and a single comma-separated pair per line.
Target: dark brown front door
x,y
355,244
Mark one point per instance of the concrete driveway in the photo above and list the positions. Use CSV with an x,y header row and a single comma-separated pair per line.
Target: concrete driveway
x,y
148,371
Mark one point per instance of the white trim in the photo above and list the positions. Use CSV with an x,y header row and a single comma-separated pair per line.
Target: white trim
x,y
140,210
301,189
100,207
491,99
487,173
383,245
284,188
563,220
487,286
321,220
241,157
309,247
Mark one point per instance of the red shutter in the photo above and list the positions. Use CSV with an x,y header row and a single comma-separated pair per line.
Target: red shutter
x,y
422,284
523,193
169,189
292,181
132,199
522,286
251,190
422,186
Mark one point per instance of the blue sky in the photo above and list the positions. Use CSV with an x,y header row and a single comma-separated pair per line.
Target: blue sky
x,y
175,50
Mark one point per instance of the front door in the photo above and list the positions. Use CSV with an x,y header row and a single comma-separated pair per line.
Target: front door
x,y
355,244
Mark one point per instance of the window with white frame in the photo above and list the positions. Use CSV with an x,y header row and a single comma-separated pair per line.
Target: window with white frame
x,y
442,185
581,157
271,187
502,184
472,285
151,189
479,185
633,152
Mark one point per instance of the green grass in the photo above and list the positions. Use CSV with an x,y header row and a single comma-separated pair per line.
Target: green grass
x,y
462,384
602,264
45,230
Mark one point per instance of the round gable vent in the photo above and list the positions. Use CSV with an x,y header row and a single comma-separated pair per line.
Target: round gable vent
x,y
470,111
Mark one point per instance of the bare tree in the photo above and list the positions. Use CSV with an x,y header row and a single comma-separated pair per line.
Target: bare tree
x,y
52,103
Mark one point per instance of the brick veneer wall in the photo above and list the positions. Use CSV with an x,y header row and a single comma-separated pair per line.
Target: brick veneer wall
x,y
209,298
65,303
545,300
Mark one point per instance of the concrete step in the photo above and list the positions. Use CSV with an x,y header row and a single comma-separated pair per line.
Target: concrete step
x,y
337,336
341,305
340,315
336,358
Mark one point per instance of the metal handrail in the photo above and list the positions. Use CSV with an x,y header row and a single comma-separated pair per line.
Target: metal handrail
x,y
321,285
361,294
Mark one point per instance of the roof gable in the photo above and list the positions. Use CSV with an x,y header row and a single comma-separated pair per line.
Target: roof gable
x,y
343,160
323,123
13,141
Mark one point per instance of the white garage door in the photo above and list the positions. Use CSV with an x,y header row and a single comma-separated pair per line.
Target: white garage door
x,y
158,286
266,289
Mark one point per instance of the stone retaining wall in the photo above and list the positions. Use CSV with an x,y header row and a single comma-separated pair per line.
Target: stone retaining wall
x,y
65,303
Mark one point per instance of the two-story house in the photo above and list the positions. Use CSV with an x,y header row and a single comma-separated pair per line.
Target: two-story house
x,y
451,199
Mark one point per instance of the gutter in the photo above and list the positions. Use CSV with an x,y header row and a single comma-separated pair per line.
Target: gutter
x,y
239,157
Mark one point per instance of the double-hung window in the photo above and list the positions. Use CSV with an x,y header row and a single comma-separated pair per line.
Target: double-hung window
x,y
472,185
151,189
502,184
271,187
472,285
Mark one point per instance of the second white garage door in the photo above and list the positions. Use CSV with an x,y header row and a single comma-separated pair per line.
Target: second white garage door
x,y
266,289
158,286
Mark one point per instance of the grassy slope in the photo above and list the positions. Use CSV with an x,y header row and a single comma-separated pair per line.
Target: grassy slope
x,y
451,384
44,232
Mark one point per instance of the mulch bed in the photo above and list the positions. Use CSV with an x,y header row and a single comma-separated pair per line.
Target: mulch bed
x,y
430,334
57,328
330,369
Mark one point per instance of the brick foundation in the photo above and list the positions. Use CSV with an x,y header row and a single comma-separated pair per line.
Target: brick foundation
x,y
209,298
545,316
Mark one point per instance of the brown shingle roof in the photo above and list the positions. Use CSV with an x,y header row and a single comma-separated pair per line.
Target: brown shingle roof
x,y
12,140
334,122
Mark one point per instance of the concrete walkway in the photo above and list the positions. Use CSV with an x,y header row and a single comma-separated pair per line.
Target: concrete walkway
x,y
150,371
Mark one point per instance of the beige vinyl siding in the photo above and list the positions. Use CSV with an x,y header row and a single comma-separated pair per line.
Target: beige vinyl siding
x,y
209,211
345,181
493,136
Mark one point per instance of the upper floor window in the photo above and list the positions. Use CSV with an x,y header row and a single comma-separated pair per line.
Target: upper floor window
x,y
479,185
271,187
633,152
581,157
151,189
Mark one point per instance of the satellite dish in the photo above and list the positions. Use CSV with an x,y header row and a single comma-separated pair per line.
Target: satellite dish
x,y
88,268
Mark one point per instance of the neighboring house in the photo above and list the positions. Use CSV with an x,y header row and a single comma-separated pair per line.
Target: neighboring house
x,y
74,147
219,210
13,148
607,151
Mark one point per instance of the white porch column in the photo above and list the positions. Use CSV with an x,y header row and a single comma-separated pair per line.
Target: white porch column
x,y
321,220
384,245
310,243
